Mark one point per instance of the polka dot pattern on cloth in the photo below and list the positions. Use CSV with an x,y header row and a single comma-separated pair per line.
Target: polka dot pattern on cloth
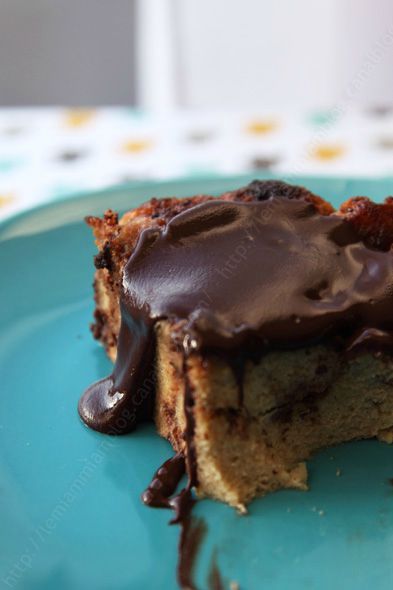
x,y
134,146
50,153
78,117
261,127
5,199
328,152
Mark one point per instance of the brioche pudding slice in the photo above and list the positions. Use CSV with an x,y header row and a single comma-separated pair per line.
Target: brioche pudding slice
x,y
255,328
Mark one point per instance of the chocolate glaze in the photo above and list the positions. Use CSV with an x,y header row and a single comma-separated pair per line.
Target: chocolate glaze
x,y
215,581
370,339
164,482
189,430
227,273
192,534
161,491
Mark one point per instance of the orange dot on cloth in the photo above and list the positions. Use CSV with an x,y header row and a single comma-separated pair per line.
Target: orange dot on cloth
x,y
5,199
78,117
135,146
262,126
327,152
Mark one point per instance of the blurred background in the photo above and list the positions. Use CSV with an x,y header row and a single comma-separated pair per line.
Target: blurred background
x,y
100,92
161,53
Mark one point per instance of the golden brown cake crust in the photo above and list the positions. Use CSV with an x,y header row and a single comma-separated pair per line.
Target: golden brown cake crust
x,y
373,222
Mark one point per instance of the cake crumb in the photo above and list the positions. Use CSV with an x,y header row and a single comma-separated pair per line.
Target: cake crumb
x,y
321,513
234,586
386,436
338,472
241,509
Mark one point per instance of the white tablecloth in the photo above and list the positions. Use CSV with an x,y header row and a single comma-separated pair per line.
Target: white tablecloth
x,y
47,154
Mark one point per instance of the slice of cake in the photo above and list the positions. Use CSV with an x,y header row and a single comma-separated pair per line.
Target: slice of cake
x,y
256,328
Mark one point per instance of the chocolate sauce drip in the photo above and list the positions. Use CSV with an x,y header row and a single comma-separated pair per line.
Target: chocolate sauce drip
x,y
370,339
192,534
164,482
161,491
116,404
215,581
237,363
190,427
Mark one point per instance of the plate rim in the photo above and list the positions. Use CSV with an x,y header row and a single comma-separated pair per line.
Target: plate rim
x,y
149,185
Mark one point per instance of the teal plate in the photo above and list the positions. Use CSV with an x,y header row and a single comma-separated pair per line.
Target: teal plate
x,y
70,511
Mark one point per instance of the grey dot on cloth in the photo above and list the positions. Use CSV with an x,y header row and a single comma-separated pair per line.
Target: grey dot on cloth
x,y
385,143
69,156
264,162
13,131
380,110
199,136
